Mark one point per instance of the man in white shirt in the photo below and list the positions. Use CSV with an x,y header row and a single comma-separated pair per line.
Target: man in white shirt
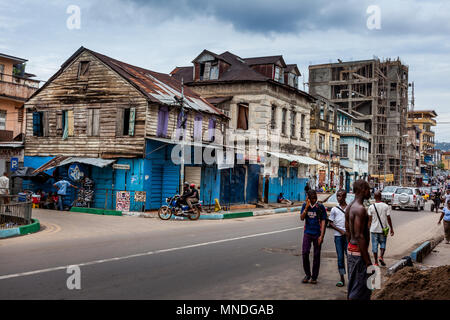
x,y
379,217
337,222
4,189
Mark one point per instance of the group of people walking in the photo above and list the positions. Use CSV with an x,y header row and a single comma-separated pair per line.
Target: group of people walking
x,y
354,227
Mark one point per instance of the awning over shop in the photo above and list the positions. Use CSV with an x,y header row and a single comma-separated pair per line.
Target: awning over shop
x,y
300,159
62,160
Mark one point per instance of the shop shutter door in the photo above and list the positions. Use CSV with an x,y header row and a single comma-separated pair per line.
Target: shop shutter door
x,y
193,175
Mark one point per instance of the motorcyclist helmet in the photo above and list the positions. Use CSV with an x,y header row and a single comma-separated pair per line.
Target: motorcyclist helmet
x,y
192,185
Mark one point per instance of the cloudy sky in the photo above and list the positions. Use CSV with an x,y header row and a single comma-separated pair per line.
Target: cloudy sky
x,y
160,35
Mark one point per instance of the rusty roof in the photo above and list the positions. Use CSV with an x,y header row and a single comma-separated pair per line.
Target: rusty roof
x,y
156,87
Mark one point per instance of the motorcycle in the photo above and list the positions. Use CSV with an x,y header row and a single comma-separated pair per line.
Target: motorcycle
x,y
174,207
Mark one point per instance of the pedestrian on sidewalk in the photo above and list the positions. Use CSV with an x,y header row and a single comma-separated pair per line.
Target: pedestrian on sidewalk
x,y
314,214
446,216
337,222
447,197
282,199
379,218
358,258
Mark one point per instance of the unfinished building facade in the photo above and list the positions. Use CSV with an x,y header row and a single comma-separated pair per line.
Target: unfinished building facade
x,y
376,93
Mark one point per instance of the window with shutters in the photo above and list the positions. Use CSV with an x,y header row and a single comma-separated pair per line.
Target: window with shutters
x,y
83,69
40,124
273,117
125,121
344,150
293,123
283,121
198,122
93,123
302,128
212,129
66,124
242,121
163,121
2,120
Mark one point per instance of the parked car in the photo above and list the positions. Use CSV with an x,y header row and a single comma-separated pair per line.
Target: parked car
x,y
332,201
407,197
388,193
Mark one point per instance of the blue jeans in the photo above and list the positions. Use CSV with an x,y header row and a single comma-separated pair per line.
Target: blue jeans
x,y
341,250
60,202
378,238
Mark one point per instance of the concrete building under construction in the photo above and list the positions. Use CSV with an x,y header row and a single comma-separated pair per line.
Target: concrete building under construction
x,y
376,93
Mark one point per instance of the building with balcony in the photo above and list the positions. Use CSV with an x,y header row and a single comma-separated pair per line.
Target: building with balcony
x,y
354,150
16,86
325,142
425,121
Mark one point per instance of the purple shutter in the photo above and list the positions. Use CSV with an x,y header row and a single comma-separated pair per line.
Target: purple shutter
x,y
163,121
211,129
198,127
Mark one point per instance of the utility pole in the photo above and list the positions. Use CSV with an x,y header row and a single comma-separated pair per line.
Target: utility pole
x,y
182,140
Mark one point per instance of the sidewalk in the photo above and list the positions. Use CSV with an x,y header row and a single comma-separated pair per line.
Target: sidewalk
x,y
272,208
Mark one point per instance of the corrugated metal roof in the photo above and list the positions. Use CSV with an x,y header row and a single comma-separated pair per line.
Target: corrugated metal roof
x,y
63,160
301,159
158,87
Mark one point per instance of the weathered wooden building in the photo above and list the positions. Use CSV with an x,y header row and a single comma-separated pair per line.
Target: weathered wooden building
x,y
259,93
97,110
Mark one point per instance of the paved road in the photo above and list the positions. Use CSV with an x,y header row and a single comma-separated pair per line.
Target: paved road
x,y
138,258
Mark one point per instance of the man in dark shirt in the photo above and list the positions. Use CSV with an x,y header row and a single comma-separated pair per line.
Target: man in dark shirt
x,y
314,214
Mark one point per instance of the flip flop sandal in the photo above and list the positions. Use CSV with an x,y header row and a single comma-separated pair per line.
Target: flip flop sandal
x,y
340,284
382,262
305,279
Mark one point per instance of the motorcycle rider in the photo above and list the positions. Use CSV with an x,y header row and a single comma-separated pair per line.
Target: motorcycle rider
x,y
194,198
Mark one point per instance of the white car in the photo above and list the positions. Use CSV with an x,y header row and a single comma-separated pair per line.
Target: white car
x,y
406,197
388,193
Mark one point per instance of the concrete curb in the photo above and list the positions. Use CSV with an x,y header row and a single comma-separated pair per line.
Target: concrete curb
x,y
417,255
35,226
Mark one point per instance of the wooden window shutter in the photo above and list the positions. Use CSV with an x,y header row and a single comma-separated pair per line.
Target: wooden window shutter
x,y
89,127
132,121
45,129
96,122
119,122
70,122
59,124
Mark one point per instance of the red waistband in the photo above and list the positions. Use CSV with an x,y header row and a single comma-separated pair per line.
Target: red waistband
x,y
353,247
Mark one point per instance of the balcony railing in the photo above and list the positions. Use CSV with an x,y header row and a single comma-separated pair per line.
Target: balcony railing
x,y
349,130
17,87
6,135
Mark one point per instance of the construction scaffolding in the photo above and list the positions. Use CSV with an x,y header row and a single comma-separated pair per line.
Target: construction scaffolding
x,y
376,93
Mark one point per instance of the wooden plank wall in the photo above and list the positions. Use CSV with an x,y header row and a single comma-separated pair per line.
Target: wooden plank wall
x,y
152,122
102,89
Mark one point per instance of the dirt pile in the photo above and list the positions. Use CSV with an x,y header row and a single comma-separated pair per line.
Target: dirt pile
x,y
411,283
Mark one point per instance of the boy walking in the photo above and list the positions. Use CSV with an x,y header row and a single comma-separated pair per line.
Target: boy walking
x,y
314,215
337,222
379,217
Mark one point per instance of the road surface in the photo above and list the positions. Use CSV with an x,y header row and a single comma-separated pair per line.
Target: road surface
x,y
145,258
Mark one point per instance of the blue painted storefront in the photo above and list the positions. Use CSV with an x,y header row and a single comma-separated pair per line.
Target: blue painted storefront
x,y
232,187
292,187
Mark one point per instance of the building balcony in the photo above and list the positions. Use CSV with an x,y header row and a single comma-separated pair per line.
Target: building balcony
x,y
6,135
353,131
17,88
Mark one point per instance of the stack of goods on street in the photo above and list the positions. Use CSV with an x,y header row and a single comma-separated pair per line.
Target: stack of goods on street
x,y
411,283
